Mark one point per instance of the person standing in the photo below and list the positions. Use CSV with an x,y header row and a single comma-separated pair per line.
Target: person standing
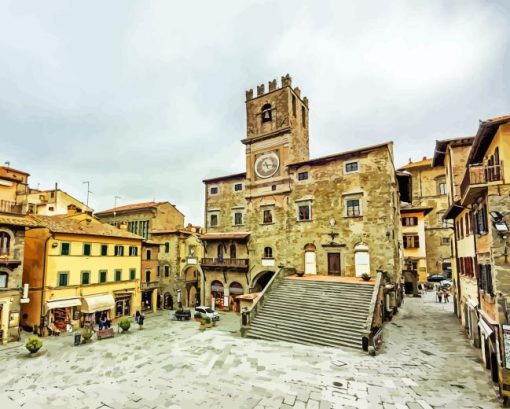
x,y
446,296
439,295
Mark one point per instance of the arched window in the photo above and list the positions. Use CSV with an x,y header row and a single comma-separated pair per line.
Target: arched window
x,y
268,252
267,115
361,259
3,279
5,243
233,252
220,252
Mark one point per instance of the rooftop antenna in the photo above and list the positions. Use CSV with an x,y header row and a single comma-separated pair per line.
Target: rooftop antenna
x,y
88,191
7,163
114,207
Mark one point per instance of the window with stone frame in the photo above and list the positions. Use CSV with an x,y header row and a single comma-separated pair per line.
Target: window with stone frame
x,y
167,247
266,112
214,190
445,241
167,271
485,281
267,216
302,175
441,187
353,207
304,211
351,167
5,243
213,219
103,275
409,221
238,187
87,249
411,241
119,250
63,279
118,275
238,218
104,249
85,277
133,250
268,252
65,249
4,279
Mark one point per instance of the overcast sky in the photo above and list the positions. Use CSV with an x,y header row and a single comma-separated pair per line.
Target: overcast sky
x,y
144,99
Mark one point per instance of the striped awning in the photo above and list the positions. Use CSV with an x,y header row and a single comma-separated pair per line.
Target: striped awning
x,y
65,303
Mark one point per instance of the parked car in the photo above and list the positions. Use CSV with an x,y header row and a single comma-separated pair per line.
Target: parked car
x,y
181,315
446,283
436,278
208,312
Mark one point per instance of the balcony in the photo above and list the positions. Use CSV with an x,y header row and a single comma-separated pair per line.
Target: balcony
x,y
10,207
225,263
476,179
144,285
7,258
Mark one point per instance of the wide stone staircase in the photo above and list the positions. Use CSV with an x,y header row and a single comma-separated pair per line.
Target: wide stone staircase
x,y
314,313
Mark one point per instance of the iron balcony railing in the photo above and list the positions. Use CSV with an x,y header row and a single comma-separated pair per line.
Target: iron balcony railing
x,y
481,174
7,206
225,262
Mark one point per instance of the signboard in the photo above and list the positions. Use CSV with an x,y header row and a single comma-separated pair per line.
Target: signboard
x,y
506,341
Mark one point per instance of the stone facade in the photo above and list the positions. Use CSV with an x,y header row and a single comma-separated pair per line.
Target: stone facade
x,y
430,191
322,216
150,276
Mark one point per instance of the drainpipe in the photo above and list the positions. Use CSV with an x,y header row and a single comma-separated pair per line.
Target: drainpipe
x,y
43,284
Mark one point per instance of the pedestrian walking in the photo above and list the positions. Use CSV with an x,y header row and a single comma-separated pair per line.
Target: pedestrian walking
x,y
439,295
446,296
137,316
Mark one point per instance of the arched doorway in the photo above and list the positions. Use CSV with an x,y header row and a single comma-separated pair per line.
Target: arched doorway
x,y
192,287
168,301
217,292
235,289
261,280
310,259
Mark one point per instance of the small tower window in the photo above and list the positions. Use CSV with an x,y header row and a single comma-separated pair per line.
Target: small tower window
x,y
303,116
266,113
294,105
268,252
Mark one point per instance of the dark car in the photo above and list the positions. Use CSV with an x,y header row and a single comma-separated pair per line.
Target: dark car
x,y
181,315
436,278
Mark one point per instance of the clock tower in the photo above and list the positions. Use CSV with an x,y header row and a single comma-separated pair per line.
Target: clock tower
x,y
276,135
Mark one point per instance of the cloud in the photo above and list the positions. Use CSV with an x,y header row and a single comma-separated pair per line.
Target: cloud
x,y
146,99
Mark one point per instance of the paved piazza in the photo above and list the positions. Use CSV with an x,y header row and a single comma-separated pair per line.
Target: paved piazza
x,y
171,364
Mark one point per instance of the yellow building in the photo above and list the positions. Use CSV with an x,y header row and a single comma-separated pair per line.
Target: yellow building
x,y
79,269
415,247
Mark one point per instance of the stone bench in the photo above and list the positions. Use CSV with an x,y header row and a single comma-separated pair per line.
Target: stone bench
x,y
105,333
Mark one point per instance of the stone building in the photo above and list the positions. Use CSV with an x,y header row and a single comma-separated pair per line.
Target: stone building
x,y
451,155
142,218
52,202
328,215
13,225
180,273
150,277
429,191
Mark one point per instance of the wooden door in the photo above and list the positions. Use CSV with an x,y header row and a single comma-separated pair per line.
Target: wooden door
x,y
334,264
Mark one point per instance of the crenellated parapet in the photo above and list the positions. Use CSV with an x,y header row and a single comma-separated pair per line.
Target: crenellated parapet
x,y
285,81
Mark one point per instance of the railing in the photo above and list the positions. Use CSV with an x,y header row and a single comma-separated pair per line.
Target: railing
x,y
145,284
225,262
7,206
377,295
481,174
249,314
5,252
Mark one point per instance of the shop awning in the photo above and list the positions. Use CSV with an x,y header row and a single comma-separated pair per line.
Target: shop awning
x,y
94,303
68,302
485,328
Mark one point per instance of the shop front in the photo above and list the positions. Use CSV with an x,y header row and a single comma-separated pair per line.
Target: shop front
x,y
217,294
94,307
63,315
235,290
123,304
147,299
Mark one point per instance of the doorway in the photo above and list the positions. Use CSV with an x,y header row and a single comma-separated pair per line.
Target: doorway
x,y
334,264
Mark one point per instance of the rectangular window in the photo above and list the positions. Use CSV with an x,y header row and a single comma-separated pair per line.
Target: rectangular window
x,y
351,167
302,175
144,229
303,116
294,105
119,250
485,281
445,241
104,249
353,207
64,249
85,277
411,242
268,216
167,247
409,221
103,274
87,248
214,190
213,220
132,273
158,271
118,275
442,188
304,212
238,187
133,251
238,218
63,279
167,271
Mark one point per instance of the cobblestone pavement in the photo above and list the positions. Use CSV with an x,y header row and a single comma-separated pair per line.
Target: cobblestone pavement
x,y
425,363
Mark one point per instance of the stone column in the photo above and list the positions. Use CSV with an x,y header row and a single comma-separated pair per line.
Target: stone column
x,y
6,308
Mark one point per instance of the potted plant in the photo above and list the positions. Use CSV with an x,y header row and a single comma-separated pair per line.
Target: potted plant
x,y
300,273
202,325
208,322
124,324
33,344
86,334
197,316
366,276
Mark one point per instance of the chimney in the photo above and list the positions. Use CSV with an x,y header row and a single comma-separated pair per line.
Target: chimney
x,y
71,210
424,158
123,226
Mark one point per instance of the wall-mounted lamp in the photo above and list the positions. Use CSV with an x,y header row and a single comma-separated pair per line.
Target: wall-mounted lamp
x,y
54,245
499,223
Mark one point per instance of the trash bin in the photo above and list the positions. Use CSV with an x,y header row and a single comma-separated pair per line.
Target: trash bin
x,y
77,338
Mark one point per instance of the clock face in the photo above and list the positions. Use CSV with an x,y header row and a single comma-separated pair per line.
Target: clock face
x,y
266,165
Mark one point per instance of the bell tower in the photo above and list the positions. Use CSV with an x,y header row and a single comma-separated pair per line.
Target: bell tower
x,y
276,131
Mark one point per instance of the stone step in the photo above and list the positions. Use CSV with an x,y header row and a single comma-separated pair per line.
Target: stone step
x,y
340,294
364,290
327,309
313,325
327,285
311,339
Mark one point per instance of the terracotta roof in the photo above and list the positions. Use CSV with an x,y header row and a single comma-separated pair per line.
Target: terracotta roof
x,y
440,149
219,178
427,162
134,206
219,236
15,170
18,220
340,155
411,209
170,231
486,131
79,225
